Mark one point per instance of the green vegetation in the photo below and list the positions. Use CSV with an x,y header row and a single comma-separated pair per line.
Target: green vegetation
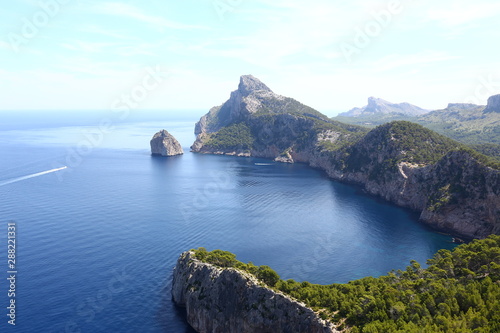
x,y
234,137
402,141
489,149
469,125
419,144
398,141
458,292
483,159
347,134
227,259
300,131
286,105
441,198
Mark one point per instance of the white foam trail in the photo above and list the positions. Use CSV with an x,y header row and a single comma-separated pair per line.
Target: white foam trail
x,y
15,180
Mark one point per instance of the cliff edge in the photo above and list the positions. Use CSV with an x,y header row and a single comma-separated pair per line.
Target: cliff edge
x,y
227,300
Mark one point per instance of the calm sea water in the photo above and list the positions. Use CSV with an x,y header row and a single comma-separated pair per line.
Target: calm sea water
x,y
97,241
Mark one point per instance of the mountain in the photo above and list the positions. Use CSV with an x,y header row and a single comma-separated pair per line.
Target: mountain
x,y
453,187
256,121
253,98
377,107
474,125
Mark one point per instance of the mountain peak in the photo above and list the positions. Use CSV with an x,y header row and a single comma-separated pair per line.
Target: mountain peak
x,y
374,102
249,84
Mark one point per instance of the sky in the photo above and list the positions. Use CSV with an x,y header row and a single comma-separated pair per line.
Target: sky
x,y
188,55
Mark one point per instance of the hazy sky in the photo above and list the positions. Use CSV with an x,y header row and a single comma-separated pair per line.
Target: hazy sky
x,y
174,55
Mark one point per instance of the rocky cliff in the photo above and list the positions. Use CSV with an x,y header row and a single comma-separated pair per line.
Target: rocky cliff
x,y
227,300
493,104
453,188
164,144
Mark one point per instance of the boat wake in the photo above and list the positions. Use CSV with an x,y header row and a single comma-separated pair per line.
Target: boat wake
x,y
15,180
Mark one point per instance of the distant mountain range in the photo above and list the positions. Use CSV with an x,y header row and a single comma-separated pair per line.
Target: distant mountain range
x,y
475,125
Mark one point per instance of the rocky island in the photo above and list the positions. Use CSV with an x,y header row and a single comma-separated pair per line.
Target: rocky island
x,y
454,188
164,144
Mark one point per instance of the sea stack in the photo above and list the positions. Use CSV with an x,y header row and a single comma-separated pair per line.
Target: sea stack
x,y
164,144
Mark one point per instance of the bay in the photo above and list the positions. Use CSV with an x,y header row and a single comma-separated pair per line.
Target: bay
x,y
97,241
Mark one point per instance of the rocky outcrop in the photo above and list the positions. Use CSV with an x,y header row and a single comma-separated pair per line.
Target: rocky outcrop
x,y
164,144
378,106
226,300
493,104
401,162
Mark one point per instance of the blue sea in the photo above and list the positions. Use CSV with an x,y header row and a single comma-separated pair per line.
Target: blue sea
x,y
100,223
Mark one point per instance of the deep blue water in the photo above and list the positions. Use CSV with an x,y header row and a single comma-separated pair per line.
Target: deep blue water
x,y
97,242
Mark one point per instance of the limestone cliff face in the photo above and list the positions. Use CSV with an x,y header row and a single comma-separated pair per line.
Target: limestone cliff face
x,y
454,193
493,104
164,144
467,197
226,300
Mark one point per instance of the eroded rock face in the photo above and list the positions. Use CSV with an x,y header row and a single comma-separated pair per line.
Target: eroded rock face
x,y
164,144
226,300
493,104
